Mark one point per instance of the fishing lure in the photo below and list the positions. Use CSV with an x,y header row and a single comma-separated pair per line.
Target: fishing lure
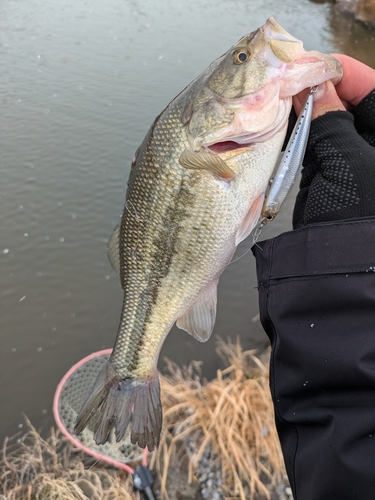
x,y
289,165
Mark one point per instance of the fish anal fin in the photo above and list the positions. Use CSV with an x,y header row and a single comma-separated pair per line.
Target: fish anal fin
x,y
199,320
204,160
250,220
119,403
113,248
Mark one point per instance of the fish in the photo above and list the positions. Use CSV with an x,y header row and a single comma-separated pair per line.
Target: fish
x,y
195,191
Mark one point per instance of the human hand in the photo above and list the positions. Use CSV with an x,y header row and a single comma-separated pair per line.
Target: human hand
x,y
338,180
357,81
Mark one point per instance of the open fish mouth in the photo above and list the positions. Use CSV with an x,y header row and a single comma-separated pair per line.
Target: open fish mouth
x,y
241,137
227,146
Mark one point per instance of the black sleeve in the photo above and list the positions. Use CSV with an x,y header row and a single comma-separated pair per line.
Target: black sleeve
x,y
338,178
364,118
317,304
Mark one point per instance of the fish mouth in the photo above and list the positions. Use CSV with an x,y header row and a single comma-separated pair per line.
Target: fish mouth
x,y
226,146
245,139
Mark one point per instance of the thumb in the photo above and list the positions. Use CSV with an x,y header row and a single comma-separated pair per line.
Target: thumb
x,y
325,100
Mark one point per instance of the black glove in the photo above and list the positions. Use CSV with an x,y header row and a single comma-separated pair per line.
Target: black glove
x,y
338,178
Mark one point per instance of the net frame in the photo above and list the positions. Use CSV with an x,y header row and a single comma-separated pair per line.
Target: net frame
x,y
76,440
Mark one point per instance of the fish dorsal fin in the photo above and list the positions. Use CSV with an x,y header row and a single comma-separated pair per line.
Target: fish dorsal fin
x,y
204,160
113,248
250,220
199,320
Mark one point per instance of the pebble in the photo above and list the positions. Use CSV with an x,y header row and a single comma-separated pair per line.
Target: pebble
x,y
209,474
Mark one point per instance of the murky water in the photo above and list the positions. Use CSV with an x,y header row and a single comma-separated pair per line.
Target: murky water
x,y
81,81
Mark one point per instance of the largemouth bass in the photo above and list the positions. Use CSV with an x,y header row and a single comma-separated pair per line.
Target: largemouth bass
x,y
195,190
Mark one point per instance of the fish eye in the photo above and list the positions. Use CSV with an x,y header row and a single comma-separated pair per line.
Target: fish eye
x,y
240,56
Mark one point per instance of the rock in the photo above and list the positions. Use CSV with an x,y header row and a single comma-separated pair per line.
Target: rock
x,y
366,12
362,10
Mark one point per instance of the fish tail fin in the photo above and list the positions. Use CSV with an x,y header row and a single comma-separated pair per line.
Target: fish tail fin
x,y
116,403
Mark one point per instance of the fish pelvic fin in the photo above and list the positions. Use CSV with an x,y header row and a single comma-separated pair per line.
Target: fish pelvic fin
x,y
117,403
199,320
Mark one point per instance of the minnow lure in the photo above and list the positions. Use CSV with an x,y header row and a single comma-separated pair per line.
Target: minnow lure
x,y
289,165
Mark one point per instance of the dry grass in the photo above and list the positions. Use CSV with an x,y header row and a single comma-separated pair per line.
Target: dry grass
x,y
32,468
232,415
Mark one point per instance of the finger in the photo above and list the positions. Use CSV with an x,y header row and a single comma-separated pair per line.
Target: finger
x,y
325,99
358,80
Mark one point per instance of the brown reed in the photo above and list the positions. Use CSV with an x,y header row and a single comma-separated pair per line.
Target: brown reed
x,y
231,415
33,468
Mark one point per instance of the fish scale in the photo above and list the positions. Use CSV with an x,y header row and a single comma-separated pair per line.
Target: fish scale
x,y
195,190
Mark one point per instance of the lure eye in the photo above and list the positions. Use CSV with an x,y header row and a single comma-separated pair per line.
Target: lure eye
x,y
240,56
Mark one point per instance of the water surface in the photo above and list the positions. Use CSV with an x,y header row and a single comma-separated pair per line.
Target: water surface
x,y
81,82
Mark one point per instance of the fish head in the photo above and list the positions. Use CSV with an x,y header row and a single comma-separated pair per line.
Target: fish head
x,y
245,96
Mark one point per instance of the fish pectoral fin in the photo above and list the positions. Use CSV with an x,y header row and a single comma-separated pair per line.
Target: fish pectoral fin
x,y
250,220
204,160
199,320
113,248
